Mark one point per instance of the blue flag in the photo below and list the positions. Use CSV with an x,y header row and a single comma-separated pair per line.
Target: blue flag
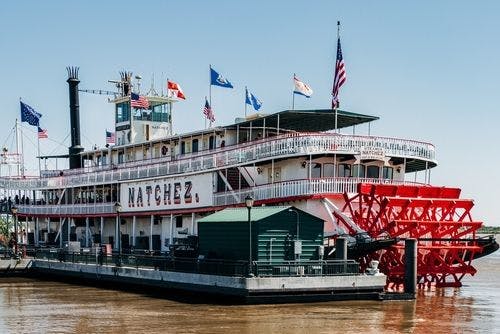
x,y
218,80
29,115
252,100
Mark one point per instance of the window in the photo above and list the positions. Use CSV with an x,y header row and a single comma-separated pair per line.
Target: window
x,y
160,113
183,147
358,170
194,145
328,170
344,170
211,142
122,112
387,173
315,170
373,172
178,222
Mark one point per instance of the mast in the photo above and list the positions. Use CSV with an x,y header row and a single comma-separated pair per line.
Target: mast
x,y
17,148
335,78
38,149
246,95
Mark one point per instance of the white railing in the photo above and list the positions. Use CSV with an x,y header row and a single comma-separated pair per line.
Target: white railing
x,y
67,209
298,188
280,190
275,147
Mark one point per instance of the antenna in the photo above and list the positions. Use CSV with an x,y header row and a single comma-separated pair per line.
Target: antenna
x,y
152,91
138,78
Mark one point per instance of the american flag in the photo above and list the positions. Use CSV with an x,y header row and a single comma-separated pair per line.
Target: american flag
x,y
340,77
139,102
42,133
110,137
207,111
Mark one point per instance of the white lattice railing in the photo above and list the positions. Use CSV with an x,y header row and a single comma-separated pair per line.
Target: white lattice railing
x,y
279,190
275,147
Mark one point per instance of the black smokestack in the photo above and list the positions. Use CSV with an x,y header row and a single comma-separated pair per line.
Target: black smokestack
x,y
74,109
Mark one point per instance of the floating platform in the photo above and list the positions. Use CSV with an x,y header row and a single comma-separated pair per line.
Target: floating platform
x,y
298,288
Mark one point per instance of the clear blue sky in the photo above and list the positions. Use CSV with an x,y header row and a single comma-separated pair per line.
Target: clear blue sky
x,y
429,69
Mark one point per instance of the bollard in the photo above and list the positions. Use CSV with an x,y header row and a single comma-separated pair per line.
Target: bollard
x,y
341,253
341,249
410,283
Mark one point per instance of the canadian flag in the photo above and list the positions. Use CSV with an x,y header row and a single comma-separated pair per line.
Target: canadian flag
x,y
174,90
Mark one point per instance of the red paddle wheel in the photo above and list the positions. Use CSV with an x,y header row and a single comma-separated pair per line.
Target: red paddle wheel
x,y
435,216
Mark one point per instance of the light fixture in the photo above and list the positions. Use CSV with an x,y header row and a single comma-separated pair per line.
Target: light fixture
x,y
118,207
304,164
259,170
249,201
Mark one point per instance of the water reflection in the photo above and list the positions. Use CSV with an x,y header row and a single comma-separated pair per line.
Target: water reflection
x,y
42,306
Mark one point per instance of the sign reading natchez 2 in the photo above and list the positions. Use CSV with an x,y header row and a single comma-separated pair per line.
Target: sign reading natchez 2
x,y
167,193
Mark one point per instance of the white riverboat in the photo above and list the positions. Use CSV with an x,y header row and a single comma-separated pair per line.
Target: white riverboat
x,y
147,192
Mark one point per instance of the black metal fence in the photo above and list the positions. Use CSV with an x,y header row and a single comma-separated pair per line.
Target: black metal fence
x,y
205,266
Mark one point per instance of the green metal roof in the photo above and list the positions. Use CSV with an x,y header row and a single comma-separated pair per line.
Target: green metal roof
x,y
306,120
241,214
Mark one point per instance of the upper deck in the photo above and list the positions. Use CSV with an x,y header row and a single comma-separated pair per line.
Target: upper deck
x,y
416,155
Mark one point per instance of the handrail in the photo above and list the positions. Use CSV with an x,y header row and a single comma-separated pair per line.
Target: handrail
x,y
278,190
297,188
280,146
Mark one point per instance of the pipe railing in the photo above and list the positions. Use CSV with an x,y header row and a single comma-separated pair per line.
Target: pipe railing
x,y
275,147
297,188
277,191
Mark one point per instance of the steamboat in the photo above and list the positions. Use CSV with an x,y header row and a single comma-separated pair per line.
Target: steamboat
x,y
149,192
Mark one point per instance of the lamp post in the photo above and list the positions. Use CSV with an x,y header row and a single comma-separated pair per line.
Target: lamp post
x,y
14,214
118,209
297,233
249,203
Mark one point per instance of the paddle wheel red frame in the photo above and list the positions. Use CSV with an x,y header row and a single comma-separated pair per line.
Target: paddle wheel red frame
x,y
435,216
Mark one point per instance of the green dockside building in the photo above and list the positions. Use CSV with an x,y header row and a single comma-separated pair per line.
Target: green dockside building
x,y
275,232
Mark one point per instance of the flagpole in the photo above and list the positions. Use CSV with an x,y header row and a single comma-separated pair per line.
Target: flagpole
x,y
293,94
205,115
39,162
17,148
246,94
22,149
336,103
209,92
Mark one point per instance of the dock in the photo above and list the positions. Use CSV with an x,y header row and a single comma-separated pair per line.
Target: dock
x,y
232,280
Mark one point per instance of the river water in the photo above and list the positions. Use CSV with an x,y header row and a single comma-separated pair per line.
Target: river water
x,y
32,306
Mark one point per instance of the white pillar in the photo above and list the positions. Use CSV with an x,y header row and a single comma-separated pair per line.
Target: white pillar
x,y
171,238
151,221
60,232
117,233
133,231
102,230
70,220
87,232
193,229
25,232
37,231
163,233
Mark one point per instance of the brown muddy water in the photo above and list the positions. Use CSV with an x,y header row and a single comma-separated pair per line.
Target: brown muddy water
x,y
33,306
